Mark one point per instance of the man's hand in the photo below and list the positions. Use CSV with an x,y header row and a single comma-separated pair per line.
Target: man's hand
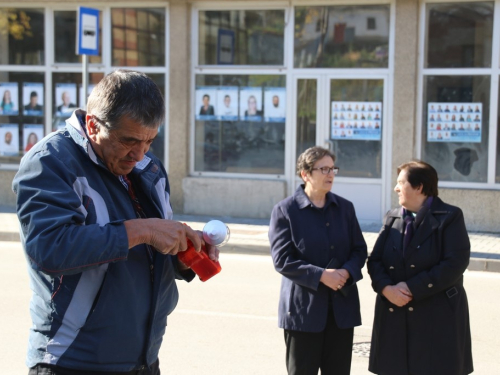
x,y
166,236
398,294
334,278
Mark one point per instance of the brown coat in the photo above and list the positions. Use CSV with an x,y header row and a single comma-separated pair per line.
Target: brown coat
x,y
431,334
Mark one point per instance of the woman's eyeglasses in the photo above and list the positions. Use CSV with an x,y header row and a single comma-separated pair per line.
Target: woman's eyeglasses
x,y
327,170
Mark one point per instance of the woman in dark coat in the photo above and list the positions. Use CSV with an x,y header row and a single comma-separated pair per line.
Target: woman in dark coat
x,y
318,247
421,324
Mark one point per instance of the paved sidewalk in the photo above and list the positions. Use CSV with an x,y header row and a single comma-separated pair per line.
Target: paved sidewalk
x,y
249,236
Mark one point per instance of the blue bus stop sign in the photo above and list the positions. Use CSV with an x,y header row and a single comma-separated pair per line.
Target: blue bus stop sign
x,y
87,32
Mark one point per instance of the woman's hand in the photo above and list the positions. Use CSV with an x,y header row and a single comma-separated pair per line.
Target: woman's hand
x,y
334,278
398,294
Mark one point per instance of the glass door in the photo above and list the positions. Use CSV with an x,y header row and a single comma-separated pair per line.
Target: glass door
x,y
347,115
354,130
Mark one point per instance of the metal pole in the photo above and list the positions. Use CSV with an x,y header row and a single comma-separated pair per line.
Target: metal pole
x,y
85,81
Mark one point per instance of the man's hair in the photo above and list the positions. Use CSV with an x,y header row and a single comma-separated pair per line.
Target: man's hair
x,y
130,94
419,173
306,160
206,96
33,94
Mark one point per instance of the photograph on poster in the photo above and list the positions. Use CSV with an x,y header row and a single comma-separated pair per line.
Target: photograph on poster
x,y
32,133
80,92
227,103
33,99
9,94
251,104
65,98
274,104
454,122
205,102
361,121
9,139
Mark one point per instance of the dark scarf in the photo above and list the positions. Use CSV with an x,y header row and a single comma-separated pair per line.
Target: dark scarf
x,y
412,222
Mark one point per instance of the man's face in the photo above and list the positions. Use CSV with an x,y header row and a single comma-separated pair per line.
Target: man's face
x,y
8,138
252,104
206,101
276,101
120,149
227,101
66,98
34,100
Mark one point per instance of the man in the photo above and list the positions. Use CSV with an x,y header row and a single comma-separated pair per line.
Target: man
x,y
276,101
66,105
33,108
8,138
97,229
227,110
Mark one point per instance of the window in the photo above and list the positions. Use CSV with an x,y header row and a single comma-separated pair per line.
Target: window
x,y
456,99
341,36
371,23
459,35
138,36
240,123
356,132
65,38
22,106
21,36
247,37
28,108
454,142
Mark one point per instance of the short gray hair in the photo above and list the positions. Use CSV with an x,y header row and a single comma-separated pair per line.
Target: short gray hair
x,y
126,93
310,156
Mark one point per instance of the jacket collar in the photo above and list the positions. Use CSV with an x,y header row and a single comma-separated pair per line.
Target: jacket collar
x,y
428,225
303,200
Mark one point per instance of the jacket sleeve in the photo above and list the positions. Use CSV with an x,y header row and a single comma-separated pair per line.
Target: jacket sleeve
x,y
284,254
454,260
380,277
358,251
52,219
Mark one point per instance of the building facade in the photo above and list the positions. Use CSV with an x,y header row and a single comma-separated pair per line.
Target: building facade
x,y
249,85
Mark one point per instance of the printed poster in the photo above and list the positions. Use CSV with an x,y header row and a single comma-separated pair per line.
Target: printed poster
x,y
205,102
454,122
33,99
65,99
9,94
274,104
227,103
32,133
356,121
9,139
251,104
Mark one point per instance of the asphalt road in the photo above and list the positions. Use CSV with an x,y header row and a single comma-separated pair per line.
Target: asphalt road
x,y
228,325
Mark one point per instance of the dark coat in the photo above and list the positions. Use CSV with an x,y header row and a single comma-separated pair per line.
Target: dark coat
x,y
304,240
431,334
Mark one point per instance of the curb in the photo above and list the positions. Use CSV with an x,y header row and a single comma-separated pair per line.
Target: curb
x,y
9,236
475,264
481,264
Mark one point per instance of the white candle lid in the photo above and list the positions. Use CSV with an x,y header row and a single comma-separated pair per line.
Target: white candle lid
x,y
216,233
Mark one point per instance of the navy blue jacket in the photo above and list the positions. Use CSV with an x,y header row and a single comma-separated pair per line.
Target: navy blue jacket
x,y
94,306
304,239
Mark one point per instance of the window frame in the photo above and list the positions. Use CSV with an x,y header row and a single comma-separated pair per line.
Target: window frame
x,y
493,72
238,70
105,67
